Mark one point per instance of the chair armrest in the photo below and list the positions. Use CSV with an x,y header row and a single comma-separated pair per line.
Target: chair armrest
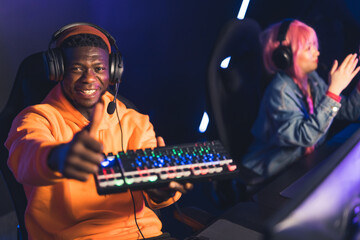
x,y
194,217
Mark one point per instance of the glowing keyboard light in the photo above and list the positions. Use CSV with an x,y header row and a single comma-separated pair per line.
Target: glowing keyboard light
x,y
204,123
105,163
243,9
225,63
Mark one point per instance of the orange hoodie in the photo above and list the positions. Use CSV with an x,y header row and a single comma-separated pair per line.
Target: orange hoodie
x,y
60,208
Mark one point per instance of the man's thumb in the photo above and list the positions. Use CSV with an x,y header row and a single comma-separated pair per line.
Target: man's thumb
x,y
96,119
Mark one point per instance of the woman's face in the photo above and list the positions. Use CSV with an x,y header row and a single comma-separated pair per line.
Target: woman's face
x,y
307,58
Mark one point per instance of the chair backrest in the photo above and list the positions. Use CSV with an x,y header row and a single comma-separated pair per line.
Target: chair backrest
x,y
235,89
30,87
235,84
30,79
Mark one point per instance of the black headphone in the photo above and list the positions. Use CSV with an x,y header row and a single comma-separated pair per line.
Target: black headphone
x,y
282,55
54,61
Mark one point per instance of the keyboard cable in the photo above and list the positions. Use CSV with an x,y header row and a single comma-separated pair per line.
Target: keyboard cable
x,y
122,149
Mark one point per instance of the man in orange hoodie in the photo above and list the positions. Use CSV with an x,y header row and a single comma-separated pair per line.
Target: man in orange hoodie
x,y
55,147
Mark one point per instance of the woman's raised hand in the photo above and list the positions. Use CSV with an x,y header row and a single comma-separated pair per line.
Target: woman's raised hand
x,y
341,76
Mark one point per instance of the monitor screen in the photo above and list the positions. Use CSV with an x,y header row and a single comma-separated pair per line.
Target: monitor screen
x,y
328,205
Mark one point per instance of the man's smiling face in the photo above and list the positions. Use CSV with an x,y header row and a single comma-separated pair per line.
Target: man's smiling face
x,y
86,76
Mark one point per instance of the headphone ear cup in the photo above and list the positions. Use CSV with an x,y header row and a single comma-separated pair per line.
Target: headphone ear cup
x,y
282,57
116,67
54,64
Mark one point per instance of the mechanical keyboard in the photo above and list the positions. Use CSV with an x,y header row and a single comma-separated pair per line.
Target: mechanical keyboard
x,y
153,168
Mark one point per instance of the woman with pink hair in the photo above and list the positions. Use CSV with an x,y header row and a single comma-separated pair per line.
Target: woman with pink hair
x,y
298,107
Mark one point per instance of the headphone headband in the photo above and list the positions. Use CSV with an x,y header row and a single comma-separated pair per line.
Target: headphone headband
x,y
58,33
282,55
107,37
284,27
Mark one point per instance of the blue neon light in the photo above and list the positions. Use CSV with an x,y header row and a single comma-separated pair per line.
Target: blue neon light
x,y
204,123
225,62
243,9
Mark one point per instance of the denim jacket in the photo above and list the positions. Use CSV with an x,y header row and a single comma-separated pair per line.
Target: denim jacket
x,y
284,127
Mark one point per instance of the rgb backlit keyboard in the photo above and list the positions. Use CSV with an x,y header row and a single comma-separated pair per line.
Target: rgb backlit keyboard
x,y
153,168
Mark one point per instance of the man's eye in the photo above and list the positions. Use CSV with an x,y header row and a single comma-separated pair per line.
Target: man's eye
x,y
99,69
76,69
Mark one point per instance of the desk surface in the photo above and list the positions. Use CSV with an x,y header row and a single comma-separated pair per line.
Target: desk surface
x,y
254,215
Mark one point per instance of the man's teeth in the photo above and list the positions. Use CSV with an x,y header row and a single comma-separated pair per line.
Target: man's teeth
x,y
88,92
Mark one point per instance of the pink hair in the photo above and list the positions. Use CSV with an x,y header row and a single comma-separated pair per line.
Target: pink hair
x,y
298,35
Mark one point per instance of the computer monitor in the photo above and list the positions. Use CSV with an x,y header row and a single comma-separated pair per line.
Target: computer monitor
x,y
327,206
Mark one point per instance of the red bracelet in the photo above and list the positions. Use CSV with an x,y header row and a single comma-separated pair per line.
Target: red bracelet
x,y
334,96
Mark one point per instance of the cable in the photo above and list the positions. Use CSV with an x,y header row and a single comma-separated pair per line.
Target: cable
x,y
121,131
123,173
132,197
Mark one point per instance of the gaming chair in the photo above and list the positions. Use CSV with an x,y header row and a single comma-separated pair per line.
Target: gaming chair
x,y
234,94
